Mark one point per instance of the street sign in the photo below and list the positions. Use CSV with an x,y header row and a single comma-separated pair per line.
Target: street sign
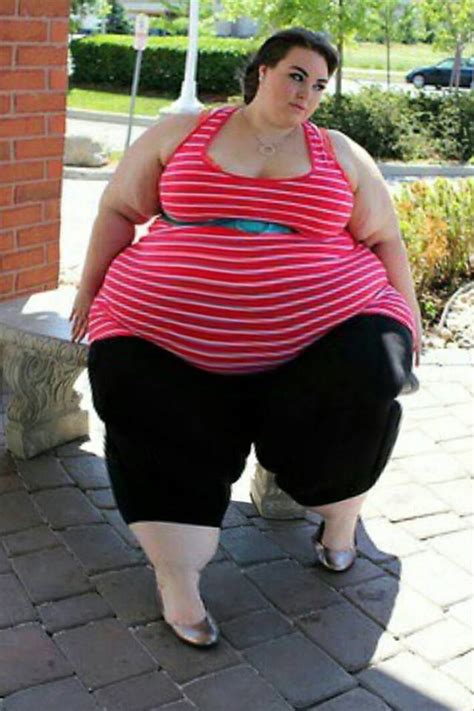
x,y
140,42
142,23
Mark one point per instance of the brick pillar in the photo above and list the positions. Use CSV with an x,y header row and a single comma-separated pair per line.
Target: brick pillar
x,y
33,85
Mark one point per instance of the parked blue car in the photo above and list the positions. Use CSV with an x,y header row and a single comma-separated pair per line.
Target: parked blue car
x,y
438,75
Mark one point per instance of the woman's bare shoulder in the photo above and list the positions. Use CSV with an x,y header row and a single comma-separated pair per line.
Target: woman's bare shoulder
x,y
158,142
344,149
171,129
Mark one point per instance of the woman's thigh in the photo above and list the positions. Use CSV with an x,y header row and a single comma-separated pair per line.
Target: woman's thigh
x,y
181,411
329,420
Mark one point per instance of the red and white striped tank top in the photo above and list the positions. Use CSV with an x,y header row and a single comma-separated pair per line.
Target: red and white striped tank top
x,y
235,302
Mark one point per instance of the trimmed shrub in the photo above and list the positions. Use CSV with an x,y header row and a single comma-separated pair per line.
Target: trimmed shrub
x,y
396,126
109,60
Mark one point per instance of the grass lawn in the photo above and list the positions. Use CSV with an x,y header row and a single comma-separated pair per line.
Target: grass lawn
x,y
95,100
403,57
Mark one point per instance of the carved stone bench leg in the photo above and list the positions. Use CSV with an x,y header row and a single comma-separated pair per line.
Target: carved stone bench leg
x,y
269,499
45,409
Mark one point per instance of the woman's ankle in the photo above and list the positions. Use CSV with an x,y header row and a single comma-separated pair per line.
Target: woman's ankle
x,y
339,534
181,600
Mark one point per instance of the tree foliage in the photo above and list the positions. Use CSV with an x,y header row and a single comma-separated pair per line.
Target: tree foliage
x,y
101,8
452,22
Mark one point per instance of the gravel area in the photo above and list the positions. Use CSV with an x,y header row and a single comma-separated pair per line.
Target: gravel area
x,y
456,325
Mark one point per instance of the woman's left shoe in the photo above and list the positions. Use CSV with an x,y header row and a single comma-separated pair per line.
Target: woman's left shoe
x,y
337,561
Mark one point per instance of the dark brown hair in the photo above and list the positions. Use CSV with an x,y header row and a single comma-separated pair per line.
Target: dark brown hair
x,y
276,47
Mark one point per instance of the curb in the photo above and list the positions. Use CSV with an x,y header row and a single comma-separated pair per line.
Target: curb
x,y
103,117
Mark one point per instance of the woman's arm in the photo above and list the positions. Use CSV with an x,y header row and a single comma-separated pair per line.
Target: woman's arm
x,y
374,221
131,198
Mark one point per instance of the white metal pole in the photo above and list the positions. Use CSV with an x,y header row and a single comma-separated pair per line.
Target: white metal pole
x,y
187,101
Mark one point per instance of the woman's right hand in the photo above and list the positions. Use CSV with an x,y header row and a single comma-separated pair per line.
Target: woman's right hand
x,y
79,317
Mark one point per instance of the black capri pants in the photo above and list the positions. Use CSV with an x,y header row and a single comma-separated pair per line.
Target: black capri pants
x,y
177,436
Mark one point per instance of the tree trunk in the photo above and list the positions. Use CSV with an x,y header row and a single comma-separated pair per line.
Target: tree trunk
x,y
340,49
456,73
387,42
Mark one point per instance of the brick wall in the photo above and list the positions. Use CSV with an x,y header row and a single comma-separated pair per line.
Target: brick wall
x,y
33,84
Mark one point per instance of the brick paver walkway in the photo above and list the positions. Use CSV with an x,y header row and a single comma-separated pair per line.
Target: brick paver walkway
x,y
80,628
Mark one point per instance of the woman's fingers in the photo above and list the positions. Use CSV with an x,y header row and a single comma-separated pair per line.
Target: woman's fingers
x,y
79,327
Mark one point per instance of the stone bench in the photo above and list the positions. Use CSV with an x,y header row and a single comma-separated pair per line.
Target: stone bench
x,y
41,367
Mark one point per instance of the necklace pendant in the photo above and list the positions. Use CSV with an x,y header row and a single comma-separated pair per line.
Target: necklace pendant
x,y
266,149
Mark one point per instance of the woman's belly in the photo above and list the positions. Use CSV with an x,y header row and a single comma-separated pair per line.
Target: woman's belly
x,y
233,302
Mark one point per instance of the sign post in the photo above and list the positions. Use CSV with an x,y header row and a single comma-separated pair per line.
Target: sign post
x,y
140,42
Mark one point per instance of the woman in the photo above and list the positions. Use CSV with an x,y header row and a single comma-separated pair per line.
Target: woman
x,y
269,303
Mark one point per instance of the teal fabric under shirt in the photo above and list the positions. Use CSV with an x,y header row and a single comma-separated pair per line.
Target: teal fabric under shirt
x,y
242,224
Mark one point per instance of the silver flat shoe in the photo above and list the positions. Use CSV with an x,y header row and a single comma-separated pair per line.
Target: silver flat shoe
x,y
201,634
337,561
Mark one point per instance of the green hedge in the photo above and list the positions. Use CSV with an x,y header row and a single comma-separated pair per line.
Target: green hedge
x,y
109,60
396,126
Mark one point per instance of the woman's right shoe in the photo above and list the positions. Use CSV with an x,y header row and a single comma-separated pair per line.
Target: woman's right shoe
x,y
201,634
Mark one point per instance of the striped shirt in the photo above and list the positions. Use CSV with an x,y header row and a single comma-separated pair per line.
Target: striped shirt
x,y
234,302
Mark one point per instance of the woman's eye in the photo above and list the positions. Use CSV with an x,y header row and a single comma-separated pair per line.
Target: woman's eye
x,y
320,87
298,77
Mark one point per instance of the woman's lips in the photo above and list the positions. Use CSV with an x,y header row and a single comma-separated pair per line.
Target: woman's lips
x,y
298,106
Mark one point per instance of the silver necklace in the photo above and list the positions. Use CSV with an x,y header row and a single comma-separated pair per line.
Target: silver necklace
x,y
265,148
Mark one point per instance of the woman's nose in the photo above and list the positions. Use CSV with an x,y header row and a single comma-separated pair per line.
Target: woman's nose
x,y
303,91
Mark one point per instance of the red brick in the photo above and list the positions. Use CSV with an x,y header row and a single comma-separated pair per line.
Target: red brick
x,y
54,169
19,172
7,241
35,103
38,148
7,7
58,79
22,126
52,210
45,8
59,30
57,124
52,253
39,234
6,195
6,284
18,80
6,56
5,151
21,216
38,191
22,260
27,30
36,277
28,56
5,104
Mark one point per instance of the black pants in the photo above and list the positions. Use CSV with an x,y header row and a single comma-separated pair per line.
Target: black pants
x,y
177,436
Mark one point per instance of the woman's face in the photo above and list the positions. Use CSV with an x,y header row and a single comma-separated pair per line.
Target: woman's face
x,y
292,89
